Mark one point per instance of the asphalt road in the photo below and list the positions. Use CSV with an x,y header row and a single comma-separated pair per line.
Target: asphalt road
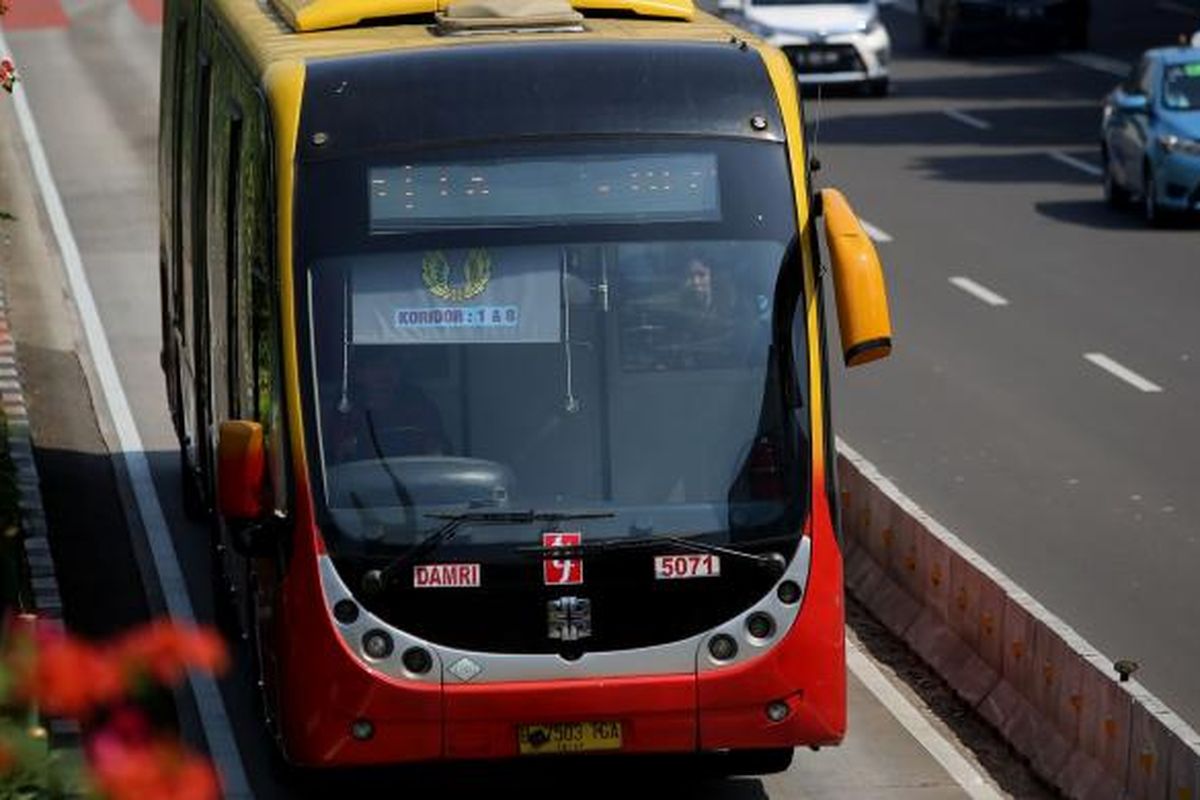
x,y
1077,483
989,416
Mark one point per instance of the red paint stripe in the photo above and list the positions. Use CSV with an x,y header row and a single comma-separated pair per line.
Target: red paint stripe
x,y
149,11
30,14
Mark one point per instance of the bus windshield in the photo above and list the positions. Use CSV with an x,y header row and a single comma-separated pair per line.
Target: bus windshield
x,y
596,327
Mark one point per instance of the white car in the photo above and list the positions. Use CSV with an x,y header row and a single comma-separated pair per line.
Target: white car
x,y
827,42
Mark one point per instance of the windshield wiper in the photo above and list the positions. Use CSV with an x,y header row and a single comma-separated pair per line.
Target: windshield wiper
x,y
772,561
376,580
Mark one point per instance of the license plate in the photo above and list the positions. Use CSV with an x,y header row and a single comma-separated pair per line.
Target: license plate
x,y
568,737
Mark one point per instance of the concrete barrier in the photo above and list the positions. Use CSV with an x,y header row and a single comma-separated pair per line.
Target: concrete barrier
x,y
1053,696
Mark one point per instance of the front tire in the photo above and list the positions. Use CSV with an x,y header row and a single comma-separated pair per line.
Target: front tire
x,y
1152,212
1116,195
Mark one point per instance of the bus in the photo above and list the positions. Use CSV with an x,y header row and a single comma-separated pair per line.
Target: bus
x,y
494,340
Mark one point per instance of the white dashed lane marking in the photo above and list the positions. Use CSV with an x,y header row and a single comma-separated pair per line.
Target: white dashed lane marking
x,y
1122,372
881,236
1076,163
970,120
979,291
1112,66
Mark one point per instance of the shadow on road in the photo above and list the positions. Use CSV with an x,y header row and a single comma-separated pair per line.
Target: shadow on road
x,y
581,779
1099,216
1007,168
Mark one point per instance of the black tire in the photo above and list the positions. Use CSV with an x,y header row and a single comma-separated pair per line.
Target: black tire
x,y
1152,212
1116,195
757,762
878,87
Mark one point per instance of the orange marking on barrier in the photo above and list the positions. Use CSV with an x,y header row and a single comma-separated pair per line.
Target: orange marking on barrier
x,y
910,560
935,575
1110,727
887,536
1183,793
1076,701
1146,760
33,14
961,600
1018,649
987,623
1048,673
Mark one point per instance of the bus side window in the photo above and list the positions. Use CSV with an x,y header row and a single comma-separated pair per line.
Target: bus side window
x,y
265,371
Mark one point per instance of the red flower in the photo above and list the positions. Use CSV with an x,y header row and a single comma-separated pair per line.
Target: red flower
x,y
69,677
7,757
159,770
4,4
164,651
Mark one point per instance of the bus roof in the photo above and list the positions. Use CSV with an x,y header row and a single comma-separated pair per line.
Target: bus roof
x,y
319,15
267,38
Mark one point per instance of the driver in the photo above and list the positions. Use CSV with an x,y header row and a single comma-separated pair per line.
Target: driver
x,y
387,416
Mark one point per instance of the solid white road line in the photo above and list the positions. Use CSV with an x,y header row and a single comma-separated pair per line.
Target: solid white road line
x,y
960,769
879,235
1124,373
1076,163
1097,62
209,703
967,119
980,292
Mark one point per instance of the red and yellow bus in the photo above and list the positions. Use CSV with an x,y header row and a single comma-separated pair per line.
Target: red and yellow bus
x,y
495,344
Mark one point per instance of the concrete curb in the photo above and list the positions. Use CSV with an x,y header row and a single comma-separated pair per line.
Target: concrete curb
x,y
1053,696
64,733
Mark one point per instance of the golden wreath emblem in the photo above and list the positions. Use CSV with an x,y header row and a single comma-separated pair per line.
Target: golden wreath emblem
x,y
477,271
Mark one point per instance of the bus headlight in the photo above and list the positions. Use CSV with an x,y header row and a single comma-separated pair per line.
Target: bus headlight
x,y
417,660
377,644
722,647
788,593
345,611
760,625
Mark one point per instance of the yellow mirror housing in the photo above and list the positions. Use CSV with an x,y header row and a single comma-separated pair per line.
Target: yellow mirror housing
x,y
862,305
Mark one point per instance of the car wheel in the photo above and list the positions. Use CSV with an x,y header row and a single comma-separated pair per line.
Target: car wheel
x,y
1115,194
1153,214
878,87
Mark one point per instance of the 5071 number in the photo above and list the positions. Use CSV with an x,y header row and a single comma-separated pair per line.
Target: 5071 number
x,y
695,565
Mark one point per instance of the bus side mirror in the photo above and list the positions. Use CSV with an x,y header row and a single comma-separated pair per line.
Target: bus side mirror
x,y
241,470
862,304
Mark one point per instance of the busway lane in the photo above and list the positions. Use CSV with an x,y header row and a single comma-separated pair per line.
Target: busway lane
x,y
92,87
1072,480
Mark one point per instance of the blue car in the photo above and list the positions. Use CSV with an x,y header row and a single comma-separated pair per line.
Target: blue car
x,y
1150,137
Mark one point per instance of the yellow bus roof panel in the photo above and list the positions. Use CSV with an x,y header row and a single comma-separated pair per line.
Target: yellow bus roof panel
x,y
320,15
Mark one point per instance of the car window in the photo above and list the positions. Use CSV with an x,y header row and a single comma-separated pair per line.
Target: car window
x,y
1181,86
1146,83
